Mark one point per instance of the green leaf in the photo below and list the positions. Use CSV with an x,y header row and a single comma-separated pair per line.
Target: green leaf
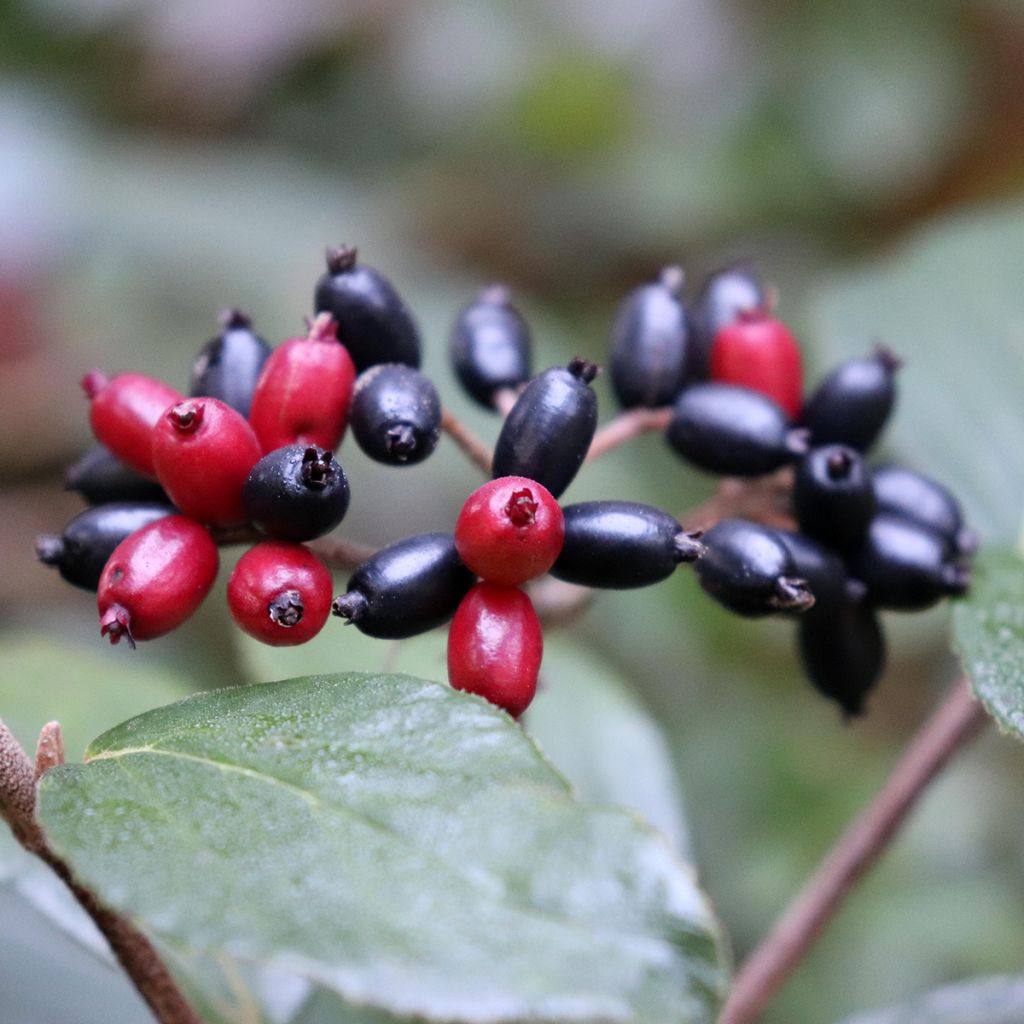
x,y
393,840
988,630
950,303
997,1000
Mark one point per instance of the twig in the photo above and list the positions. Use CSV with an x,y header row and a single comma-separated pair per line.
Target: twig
x,y
503,399
341,554
477,451
49,749
948,729
624,427
133,950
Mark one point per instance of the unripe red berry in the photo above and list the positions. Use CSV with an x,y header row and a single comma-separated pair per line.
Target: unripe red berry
x,y
280,593
510,530
155,579
203,451
123,412
304,391
495,647
759,352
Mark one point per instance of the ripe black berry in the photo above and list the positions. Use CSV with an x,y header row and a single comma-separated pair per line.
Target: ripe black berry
x,y
88,540
823,571
373,322
100,477
296,493
650,343
490,346
905,566
833,496
546,435
621,544
396,414
228,366
406,588
732,430
724,295
852,404
926,502
747,569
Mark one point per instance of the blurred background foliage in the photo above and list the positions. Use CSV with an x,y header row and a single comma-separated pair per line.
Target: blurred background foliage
x,y
162,161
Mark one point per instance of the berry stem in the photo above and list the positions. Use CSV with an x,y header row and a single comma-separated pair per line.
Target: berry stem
x,y
503,399
626,426
957,720
473,447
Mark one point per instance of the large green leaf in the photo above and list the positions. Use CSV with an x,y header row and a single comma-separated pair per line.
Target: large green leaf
x,y
983,1001
393,840
988,628
950,302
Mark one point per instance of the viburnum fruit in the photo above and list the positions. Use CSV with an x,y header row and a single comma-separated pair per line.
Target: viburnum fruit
x,y
280,593
833,496
924,501
155,579
723,296
124,410
396,414
228,366
100,477
203,450
757,351
304,390
509,530
495,647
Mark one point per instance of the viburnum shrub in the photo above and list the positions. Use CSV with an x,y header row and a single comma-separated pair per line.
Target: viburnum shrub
x,y
415,852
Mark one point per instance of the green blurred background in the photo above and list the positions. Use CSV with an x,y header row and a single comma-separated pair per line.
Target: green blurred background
x,y
163,161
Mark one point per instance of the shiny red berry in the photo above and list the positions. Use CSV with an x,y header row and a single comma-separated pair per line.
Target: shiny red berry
x,y
304,390
495,647
280,593
203,451
155,579
759,352
124,411
510,530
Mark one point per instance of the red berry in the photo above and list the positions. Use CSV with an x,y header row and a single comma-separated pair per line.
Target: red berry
x,y
280,593
304,391
155,579
203,451
125,410
510,530
758,352
495,647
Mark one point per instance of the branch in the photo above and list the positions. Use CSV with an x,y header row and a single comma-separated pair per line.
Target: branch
x,y
624,427
477,451
133,950
948,729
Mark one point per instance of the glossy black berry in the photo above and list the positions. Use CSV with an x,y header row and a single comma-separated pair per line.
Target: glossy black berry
x,y
823,571
747,569
490,346
395,414
905,566
650,343
852,404
622,544
833,496
842,653
296,493
926,502
733,431
546,435
88,540
101,477
373,322
228,366
724,295
406,588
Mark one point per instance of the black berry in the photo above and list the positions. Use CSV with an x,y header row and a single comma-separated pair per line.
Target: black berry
x,y
926,502
406,588
296,493
621,544
650,343
490,346
724,295
228,366
373,322
395,415
546,435
100,477
823,571
732,430
833,496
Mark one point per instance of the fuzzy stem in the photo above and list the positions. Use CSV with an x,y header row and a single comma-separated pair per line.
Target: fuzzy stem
x,y
947,730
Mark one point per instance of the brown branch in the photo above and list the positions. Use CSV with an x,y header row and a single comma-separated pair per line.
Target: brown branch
x,y
49,749
503,399
342,554
624,427
477,451
133,950
945,732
